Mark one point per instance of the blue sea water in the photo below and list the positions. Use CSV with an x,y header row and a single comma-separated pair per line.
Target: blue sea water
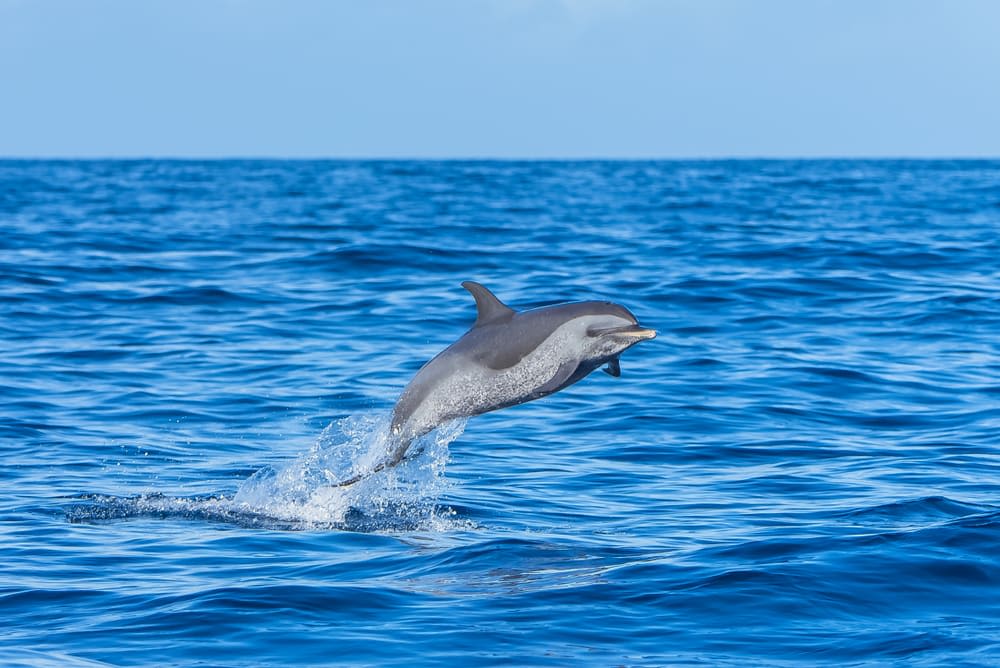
x,y
802,469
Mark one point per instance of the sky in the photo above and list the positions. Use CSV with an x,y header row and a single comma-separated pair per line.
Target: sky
x,y
499,78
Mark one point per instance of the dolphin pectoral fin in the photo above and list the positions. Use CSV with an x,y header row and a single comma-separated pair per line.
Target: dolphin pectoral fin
x,y
563,374
489,309
614,368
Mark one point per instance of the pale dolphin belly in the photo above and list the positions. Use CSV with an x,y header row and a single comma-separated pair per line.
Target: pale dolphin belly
x,y
458,387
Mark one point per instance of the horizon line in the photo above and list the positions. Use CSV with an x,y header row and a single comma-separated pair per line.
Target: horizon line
x,y
383,158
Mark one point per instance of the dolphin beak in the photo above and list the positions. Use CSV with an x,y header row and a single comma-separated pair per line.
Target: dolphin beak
x,y
644,333
639,332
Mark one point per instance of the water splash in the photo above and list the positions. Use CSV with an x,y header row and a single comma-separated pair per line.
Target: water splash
x,y
306,488
303,493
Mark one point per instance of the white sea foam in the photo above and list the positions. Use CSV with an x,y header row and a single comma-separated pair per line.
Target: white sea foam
x,y
303,493
305,489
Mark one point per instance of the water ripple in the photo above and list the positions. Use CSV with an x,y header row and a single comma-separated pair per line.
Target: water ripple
x,y
802,469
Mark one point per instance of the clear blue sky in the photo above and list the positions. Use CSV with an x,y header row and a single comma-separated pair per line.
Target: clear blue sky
x,y
499,78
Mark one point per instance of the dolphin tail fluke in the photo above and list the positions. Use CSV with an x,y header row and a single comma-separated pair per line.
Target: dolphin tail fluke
x,y
350,481
398,455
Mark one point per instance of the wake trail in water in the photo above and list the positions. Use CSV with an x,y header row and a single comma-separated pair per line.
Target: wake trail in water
x,y
304,493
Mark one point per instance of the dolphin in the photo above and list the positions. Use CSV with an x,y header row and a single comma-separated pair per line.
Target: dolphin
x,y
509,358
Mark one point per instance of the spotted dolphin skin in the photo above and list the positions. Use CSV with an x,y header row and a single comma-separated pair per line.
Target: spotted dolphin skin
x,y
509,358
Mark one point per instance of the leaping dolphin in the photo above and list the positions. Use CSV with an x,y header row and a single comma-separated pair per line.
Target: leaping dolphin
x,y
508,358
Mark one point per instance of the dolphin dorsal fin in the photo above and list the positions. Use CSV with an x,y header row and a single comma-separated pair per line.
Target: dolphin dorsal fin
x,y
489,309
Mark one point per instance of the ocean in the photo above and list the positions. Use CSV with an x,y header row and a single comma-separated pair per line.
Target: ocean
x,y
803,468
